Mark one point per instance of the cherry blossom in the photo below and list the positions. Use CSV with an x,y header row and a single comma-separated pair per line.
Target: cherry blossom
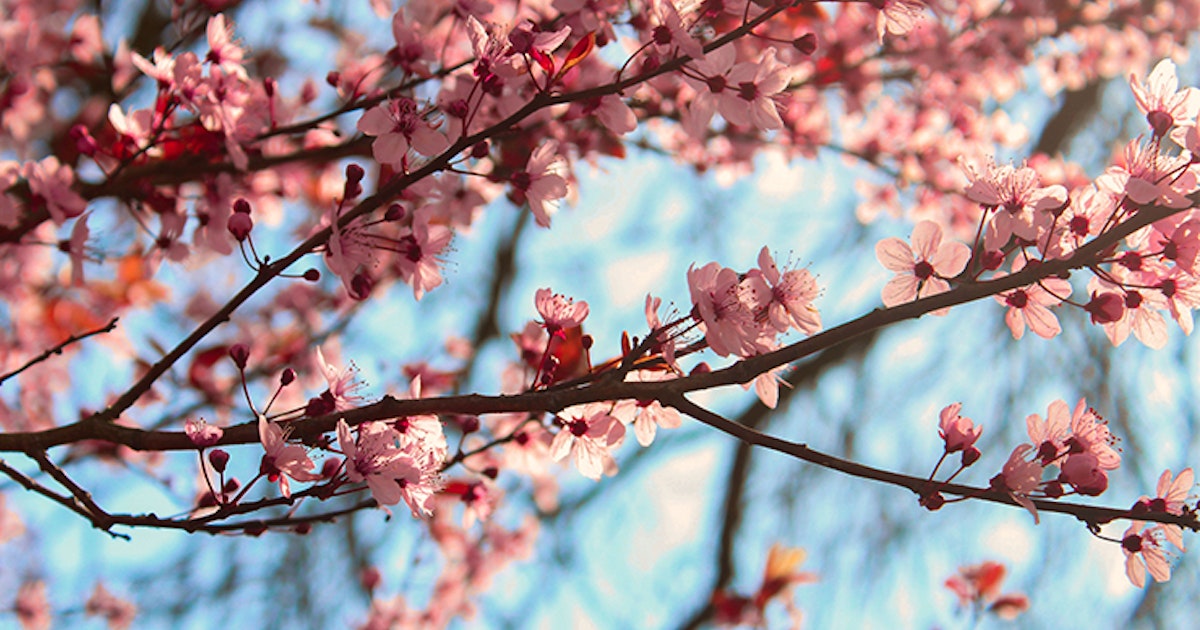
x,y
398,125
1143,551
923,268
959,433
1161,100
1020,203
558,311
541,182
979,585
201,433
1020,477
792,294
342,387
1030,306
282,460
587,434
896,16
373,457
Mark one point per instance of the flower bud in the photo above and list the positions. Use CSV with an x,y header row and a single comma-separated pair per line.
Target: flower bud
x,y
288,376
240,225
240,355
218,458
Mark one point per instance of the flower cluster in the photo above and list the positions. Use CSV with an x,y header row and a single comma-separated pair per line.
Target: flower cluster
x,y
1069,452
743,314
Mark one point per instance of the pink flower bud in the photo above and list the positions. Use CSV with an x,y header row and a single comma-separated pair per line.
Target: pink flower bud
x,y
240,225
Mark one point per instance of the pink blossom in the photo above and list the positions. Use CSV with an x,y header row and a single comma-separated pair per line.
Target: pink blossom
x,y
1083,472
343,385
373,457
117,612
588,433
223,50
541,182
792,294
1019,201
1161,100
1144,551
1019,478
76,248
896,16
348,252
651,414
728,324
1049,436
1148,176
743,93
418,262
1030,305
670,34
398,126
1171,497
958,432
282,460
50,188
558,311
201,433
32,607
1089,433
922,269
11,526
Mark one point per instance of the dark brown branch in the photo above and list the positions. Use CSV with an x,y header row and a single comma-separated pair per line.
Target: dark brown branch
x,y
1092,515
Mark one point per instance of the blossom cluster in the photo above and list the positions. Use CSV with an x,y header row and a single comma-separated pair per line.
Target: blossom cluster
x,y
1070,452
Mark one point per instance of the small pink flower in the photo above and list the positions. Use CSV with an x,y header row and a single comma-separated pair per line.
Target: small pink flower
x,y
541,182
1144,551
32,607
343,385
1161,100
1019,478
1021,205
223,50
558,311
201,433
50,188
1030,306
282,460
374,458
958,432
418,262
896,16
792,294
922,269
587,434
117,612
398,126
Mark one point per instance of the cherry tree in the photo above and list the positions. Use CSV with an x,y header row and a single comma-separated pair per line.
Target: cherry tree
x,y
219,218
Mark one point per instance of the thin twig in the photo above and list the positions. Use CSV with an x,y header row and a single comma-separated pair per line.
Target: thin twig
x,y
112,324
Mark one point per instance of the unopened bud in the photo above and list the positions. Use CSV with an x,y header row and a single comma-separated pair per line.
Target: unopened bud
x,y
806,44
218,458
240,225
240,355
287,377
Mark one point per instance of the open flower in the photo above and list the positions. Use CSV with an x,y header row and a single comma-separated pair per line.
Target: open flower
x,y
282,460
1144,551
541,182
1161,100
922,269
